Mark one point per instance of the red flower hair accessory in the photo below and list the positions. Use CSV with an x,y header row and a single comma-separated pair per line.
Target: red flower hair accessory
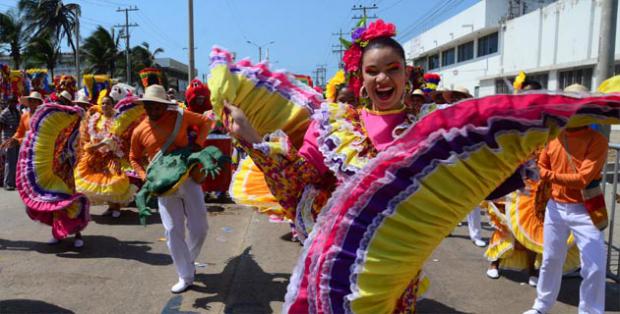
x,y
352,58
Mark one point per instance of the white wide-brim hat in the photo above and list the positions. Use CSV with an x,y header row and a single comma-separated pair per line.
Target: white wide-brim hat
x,y
576,88
33,95
155,93
66,95
83,99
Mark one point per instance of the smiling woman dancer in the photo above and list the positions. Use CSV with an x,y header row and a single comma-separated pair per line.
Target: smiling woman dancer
x,y
99,173
388,190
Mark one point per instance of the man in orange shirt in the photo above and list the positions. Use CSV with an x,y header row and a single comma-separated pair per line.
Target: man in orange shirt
x,y
32,102
571,162
188,202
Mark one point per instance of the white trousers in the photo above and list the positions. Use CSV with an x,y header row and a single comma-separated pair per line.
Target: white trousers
x,y
187,202
560,219
473,223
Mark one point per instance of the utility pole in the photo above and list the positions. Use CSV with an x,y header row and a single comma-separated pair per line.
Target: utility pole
x,y
604,68
364,10
190,4
127,26
339,49
320,74
78,73
260,48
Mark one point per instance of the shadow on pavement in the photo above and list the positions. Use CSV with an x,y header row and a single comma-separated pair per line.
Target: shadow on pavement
x,y
128,217
569,294
243,286
30,306
96,246
569,290
432,306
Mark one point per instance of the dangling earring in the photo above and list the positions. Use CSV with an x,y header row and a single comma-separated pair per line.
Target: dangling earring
x,y
408,91
409,87
363,92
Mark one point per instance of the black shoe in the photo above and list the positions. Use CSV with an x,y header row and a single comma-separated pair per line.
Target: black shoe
x,y
10,188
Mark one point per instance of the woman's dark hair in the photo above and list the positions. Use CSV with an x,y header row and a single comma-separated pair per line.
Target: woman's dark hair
x,y
382,42
109,97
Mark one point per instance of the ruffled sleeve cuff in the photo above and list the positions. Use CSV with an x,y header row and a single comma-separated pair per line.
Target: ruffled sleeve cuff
x,y
274,144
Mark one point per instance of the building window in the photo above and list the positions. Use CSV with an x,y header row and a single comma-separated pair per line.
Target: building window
x,y
433,62
466,51
447,57
487,44
420,62
579,76
502,86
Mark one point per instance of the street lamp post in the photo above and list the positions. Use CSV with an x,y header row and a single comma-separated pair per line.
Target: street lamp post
x,y
260,48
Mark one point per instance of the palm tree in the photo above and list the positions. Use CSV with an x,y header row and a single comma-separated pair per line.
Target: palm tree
x,y
51,17
13,35
42,51
101,51
143,57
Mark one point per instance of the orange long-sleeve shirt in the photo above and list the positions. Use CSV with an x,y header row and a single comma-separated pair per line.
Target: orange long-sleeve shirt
x,y
149,136
588,150
22,127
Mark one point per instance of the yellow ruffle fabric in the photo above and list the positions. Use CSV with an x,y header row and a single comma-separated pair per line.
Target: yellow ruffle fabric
x,y
248,187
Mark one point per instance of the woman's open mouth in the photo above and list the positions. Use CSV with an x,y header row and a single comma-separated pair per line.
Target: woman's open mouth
x,y
384,93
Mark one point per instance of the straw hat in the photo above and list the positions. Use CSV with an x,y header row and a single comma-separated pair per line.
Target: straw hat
x,y
461,90
418,93
33,95
576,88
66,95
155,93
83,99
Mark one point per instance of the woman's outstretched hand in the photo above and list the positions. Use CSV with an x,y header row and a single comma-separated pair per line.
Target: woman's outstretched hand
x,y
238,124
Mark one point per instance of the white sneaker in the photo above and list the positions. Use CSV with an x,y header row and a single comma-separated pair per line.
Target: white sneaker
x,y
493,273
532,281
53,241
78,243
116,213
180,286
480,243
532,311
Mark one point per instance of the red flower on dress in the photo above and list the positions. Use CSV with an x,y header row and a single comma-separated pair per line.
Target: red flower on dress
x,y
379,29
352,58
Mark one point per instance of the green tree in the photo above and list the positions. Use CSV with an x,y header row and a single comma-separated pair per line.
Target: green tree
x,y
142,56
13,36
42,51
51,19
101,51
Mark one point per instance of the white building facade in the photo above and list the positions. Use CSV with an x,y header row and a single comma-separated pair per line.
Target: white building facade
x,y
485,46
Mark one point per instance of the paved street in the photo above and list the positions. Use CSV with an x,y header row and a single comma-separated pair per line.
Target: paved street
x,y
125,268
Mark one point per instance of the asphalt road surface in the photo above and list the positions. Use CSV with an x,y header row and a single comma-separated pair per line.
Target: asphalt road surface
x,y
247,262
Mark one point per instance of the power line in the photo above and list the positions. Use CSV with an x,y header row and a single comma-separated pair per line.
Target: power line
x,y
364,10
158,31
433,13
339,48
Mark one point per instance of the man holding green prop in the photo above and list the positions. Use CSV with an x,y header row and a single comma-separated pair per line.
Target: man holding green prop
x,y
174,174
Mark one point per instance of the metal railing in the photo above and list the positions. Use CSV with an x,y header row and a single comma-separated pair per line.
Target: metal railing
x,y
613,251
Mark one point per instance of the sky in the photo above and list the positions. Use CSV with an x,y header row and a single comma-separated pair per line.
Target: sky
x,y
302,31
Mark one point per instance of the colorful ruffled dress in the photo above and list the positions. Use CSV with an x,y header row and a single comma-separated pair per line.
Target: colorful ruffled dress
x,y
47,159
519,228
101,173
386,197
